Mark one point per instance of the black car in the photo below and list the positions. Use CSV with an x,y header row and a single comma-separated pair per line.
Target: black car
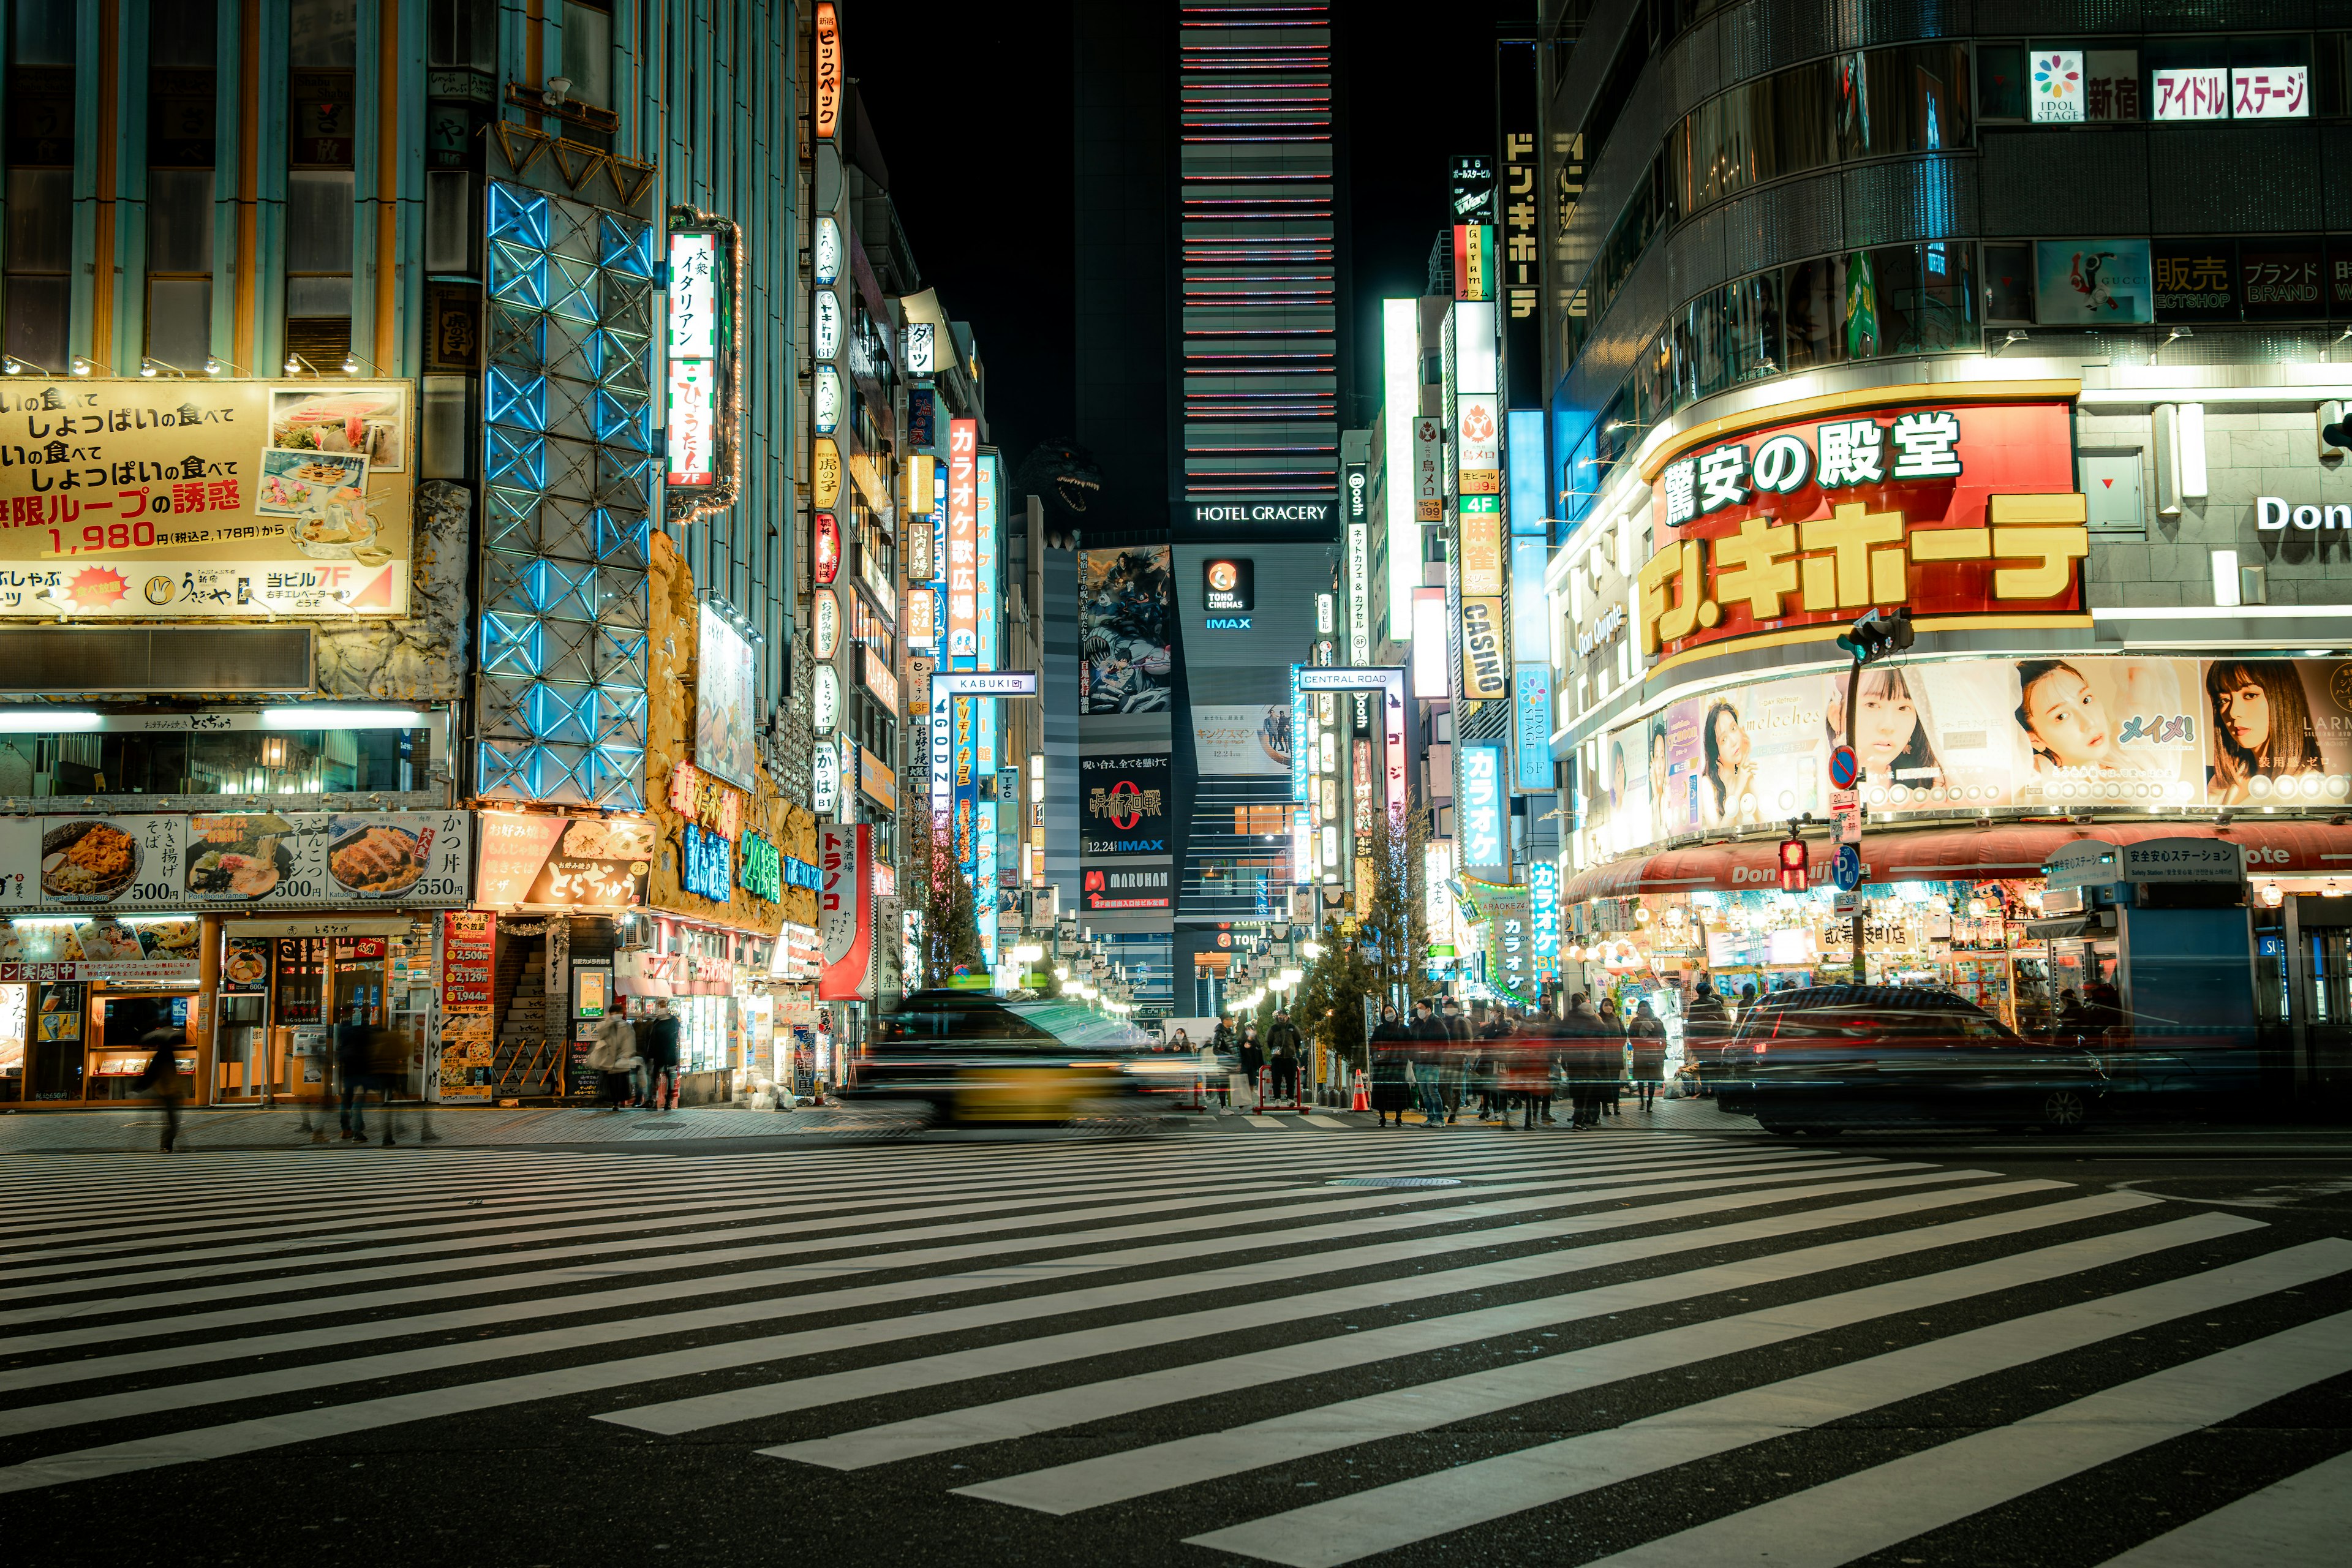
x,y
1838,1055
974,1056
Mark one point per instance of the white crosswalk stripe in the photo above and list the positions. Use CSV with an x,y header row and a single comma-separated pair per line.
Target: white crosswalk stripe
x,y
1140,1331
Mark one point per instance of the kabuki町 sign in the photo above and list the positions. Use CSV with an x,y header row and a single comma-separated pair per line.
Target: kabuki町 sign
x,y
1958,509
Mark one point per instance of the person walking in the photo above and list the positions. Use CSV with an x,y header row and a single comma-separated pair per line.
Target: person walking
x,y
1215,1068
351,1071
1392,1052
1252,1055
160,1078
1648,1034
1282,1055
1706,1025
387,1074
657,1044
1461,1044
1430,1042
614,1058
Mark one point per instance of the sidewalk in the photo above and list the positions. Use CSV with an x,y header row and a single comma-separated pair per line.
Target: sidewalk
x,y
457,1127
1680,1116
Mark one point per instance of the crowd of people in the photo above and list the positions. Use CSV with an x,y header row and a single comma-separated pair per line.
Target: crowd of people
x,y
1444,1064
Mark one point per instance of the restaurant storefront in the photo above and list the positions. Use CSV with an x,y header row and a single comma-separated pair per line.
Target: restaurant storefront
x,y
239,938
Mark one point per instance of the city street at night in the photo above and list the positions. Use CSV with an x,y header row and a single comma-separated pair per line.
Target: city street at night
x,y
1175,782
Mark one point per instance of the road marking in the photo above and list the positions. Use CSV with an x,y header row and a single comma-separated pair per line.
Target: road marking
x,y
1161,1466
1871,1510
1382,1518
2300,1522
1034,1414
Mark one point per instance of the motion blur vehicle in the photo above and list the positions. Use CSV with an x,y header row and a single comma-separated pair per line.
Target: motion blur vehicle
x,y
1832,1056
972,1057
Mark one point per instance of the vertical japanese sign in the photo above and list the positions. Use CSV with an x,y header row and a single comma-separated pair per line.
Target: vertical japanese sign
x,y
1531,726
695,311
845,911
467,937
1543,916
828,70
967,786
1360,594
989,534
963,544
1522,258
1485,837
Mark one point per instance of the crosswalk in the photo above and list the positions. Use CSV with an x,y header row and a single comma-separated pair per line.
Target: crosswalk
x,y
1303,1350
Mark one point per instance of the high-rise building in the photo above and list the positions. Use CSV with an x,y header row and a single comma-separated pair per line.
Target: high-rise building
x,y
1211,284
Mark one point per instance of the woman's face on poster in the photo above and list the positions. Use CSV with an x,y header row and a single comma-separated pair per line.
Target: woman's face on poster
x,y
2069,720
1731,741
2242,708
1658,767
1885,720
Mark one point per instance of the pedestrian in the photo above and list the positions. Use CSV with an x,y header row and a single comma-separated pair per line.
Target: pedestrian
x,y
1282,1055
2070,1014
1393,1051
614,1058
1582,1058
1252,1063
160,1077
1523,1063
1181,1045
1648,1034
351,1071
1430,1042
657,1044
1707,1026
1461,1043
1216,1067
387,1073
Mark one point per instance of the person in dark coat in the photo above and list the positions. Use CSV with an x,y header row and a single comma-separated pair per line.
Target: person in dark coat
x,y
351,1067
1282,1055
1253,1060
657,1044
1706,1025
160,1077
1648,1036
1392,1052
1431,1044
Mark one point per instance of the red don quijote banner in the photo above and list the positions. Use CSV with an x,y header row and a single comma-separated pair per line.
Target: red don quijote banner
x,y
845,911
1954,507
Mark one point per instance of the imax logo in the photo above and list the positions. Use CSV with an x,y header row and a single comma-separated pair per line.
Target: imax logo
x,y
1228,623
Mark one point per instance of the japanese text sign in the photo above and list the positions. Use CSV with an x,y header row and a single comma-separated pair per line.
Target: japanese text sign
x,y
963,538
1966,511
138,499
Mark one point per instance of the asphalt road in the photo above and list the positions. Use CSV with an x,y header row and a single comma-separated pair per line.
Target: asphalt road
x,y
1681,1344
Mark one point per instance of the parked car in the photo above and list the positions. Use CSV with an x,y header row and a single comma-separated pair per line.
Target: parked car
x,y
975,1056
1839,1055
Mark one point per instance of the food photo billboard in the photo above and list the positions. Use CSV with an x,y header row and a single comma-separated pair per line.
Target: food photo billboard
x,y
201,499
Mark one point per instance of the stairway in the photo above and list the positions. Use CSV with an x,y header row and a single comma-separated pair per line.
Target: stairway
x,y
525,1062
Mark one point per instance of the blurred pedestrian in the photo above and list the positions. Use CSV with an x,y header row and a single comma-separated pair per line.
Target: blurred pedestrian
x,y
352,1072
160,1078
1461,1044
387,1074
2070,1014
657,1044
1282,1055
1392,1048
614,1058
1648,1034
1430,1043
1216,1068
1252,1055
1707,1025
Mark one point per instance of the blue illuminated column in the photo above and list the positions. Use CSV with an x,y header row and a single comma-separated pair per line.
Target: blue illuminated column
x,y
991,533
1401,395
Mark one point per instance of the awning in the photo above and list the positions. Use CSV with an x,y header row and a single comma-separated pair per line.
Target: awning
x,y
2001,852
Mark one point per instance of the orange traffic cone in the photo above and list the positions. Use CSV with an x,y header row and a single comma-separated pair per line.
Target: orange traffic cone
x,y
1362,1101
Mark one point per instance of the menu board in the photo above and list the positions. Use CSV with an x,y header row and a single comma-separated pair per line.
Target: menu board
x,y
171,499
236,861
126,952
562,862
467,938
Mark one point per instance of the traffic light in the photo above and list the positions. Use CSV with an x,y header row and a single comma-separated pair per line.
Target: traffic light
x,y
2338,435
1794,864
1878,633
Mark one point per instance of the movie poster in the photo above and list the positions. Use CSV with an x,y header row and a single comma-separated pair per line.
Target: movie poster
x,y
1126,619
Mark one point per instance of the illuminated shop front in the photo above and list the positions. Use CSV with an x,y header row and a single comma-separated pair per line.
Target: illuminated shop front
x,y
2032,720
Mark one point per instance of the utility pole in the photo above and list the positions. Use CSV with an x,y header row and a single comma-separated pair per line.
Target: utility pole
x,y
1874,636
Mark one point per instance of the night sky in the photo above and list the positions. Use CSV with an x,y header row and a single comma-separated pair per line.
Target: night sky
x,y
969,104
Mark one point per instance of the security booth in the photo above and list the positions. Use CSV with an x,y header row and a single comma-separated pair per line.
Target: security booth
x,y
2177,914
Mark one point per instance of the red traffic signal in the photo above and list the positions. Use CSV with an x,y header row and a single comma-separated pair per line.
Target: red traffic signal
x,y
1794,864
